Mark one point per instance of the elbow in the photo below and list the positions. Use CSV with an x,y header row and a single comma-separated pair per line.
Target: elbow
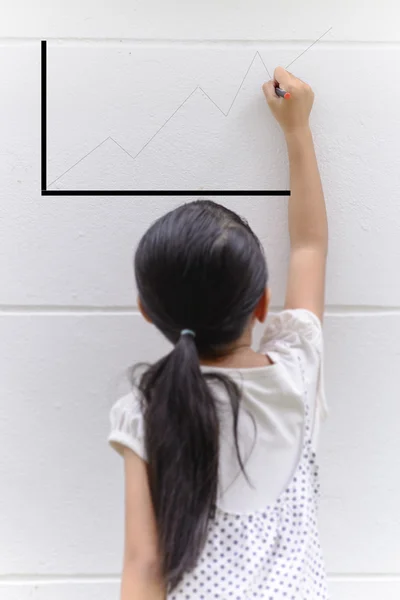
x,y
314,239
144,568
323,246
318,245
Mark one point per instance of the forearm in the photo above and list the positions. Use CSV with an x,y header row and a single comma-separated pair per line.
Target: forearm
x,y
141,584
308,226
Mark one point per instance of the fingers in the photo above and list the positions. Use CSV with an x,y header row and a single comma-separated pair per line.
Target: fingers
x,y
283,77
269,91
289,82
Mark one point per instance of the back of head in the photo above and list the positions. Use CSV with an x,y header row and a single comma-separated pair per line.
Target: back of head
x,y
199,267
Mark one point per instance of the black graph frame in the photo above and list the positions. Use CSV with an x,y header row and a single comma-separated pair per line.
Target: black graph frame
x,y
47,192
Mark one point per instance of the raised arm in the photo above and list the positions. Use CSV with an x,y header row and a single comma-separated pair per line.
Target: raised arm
x,y
308,227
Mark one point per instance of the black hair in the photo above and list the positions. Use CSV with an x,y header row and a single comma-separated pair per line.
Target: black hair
x,y
198,267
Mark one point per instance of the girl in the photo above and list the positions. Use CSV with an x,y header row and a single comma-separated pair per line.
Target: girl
x,y
218,440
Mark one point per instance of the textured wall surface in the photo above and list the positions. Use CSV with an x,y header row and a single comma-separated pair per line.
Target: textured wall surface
x,y
68,320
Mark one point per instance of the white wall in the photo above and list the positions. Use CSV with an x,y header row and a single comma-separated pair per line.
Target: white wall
x,y
68,321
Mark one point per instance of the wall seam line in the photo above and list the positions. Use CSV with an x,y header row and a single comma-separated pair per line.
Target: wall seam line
x,y
198,42
15,310
51,579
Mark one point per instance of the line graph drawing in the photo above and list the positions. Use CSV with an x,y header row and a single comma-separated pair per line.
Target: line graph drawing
x,y
45,187
308,48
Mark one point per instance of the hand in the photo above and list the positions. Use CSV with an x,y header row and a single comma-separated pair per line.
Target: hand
x,y
293,113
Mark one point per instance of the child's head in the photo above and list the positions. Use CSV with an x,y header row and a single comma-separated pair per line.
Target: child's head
x,y
201,267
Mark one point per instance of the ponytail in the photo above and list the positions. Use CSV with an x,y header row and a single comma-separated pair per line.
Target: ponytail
x,y
182,443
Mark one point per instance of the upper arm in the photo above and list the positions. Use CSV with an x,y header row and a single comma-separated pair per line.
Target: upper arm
x,y
306,280
141,540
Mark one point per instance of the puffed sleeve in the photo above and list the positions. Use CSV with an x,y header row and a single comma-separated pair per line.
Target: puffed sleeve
x,y
127,426
294,338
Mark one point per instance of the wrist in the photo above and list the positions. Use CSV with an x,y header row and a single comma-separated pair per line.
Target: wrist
x,y
301,131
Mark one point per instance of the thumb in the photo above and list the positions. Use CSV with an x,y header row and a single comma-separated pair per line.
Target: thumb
x,y
269,91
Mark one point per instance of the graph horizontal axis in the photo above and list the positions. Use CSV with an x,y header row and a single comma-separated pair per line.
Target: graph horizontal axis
x,y
165,193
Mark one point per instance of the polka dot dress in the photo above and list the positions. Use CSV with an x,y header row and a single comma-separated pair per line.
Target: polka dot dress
x,y
271,554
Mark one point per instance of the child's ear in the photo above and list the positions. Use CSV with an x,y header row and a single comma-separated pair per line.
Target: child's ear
x,y
262,307
144,315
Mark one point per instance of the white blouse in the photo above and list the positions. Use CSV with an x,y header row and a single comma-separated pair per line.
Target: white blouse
x,y
281,407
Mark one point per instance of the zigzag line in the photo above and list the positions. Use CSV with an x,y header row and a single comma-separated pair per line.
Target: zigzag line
x,y
179,107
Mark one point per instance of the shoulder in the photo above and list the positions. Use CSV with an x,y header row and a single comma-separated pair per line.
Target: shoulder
x,y
127,424
293,335
130,402
293,327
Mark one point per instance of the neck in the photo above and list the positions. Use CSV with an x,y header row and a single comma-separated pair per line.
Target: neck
x,y
238,355
242,358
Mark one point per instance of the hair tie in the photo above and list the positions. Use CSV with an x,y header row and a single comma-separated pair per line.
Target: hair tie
x,y
188,332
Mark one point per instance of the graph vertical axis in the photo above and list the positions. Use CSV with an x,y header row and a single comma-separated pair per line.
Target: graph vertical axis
x,y
43,124
46,192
